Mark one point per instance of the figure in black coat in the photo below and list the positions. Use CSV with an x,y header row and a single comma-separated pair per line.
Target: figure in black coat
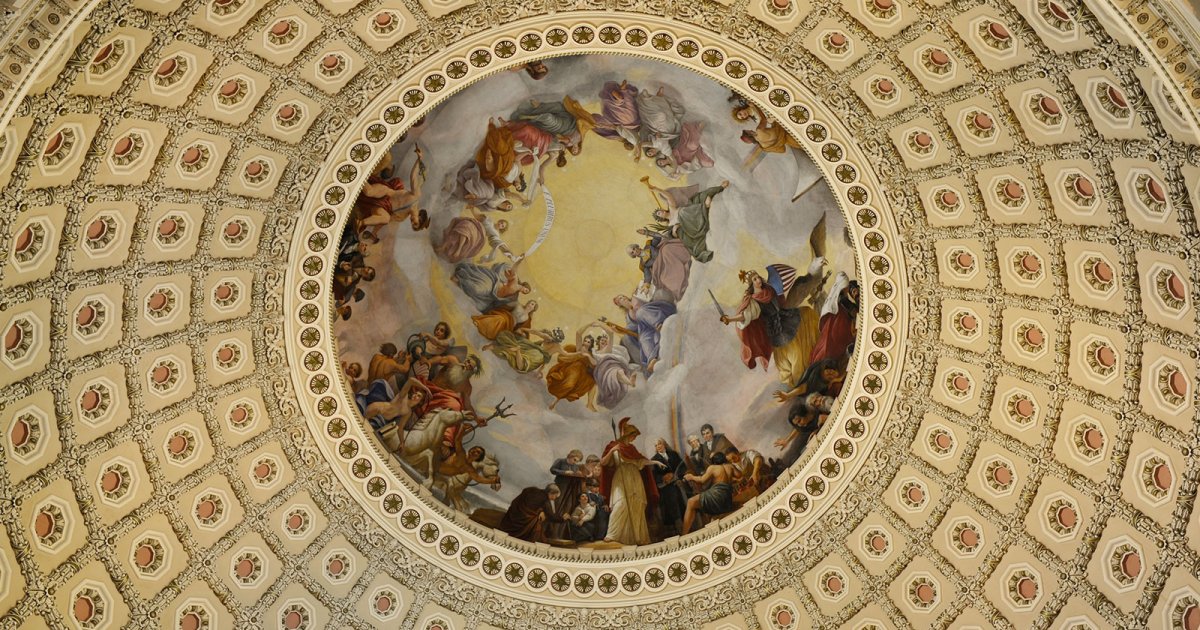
x,y
671,499
528,514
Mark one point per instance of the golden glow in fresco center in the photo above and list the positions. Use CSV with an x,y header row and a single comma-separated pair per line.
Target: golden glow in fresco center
x,y
596,301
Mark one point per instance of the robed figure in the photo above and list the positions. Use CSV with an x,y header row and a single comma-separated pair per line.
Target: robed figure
x,y
530,512
619,117
838,317
769,327
628,485
776,319
669,479
666,263
497,156
642,334
488,287
687,216
569,476
693,224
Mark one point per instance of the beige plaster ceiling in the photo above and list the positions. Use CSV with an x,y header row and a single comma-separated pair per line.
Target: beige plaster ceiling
x,y
1017,449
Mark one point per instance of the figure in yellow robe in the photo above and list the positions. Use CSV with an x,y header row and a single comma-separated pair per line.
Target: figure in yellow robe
x,y
571,377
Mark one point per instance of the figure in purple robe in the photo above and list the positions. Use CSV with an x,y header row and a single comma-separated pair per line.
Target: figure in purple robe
x,y
642,333
619,117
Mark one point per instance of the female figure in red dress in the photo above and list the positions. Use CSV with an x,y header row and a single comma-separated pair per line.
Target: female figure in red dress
x,y
768,328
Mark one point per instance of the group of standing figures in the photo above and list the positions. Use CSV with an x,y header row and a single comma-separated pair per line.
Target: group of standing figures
x,y
625,497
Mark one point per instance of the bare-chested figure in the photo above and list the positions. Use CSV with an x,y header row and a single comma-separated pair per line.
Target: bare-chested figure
x,y
404,408
456,377
383,201
717,498
354,372
462,461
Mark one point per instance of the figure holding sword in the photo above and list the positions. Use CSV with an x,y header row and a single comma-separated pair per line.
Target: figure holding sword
x,y
775,320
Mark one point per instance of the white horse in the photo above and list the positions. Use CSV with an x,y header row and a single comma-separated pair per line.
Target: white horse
x,y
454,486
422,442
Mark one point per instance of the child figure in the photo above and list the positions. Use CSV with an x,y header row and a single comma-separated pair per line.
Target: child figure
x,y
591,467
581,518
353,372
598,527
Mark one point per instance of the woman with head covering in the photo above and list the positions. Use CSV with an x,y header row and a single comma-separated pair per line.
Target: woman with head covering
x,y
629,486
618,117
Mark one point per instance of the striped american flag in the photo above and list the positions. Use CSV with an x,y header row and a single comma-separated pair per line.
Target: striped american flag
x,y
781,278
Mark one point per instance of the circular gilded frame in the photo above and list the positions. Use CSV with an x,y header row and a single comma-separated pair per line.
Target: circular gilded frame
x,y
642,574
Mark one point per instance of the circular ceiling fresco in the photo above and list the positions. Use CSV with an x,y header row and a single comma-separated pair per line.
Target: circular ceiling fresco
x,y
459,348
595,301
